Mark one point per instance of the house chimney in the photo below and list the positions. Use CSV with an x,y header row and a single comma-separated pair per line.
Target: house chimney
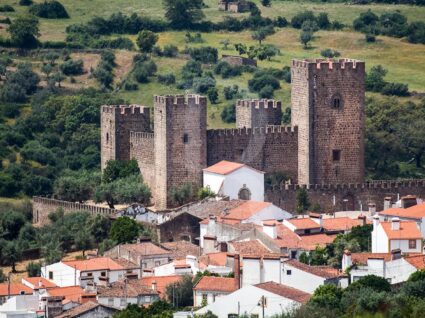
x,y
395,254
375,221
346,260
236,271
372,208
40,284
212,219
387,203
153,285
270,229
395,224
362,218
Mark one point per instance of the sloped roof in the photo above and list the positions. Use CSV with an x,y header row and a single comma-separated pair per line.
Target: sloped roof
x,y
413,212
303,223
131,289
321,271
285,291
224,167
181,249
93,264
408,230
250,247
161,282
70,293
15,289
340,224
417,261
361,258
79,310
145,249
39,282
219,284
246,210
214,259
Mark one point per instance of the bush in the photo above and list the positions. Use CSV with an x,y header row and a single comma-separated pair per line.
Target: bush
x,y
167,79
170,51
228,114
146,40
329,53
33,269
12,93
204,54
266,92
203,84
396,89
72,67
6,8
416,32
229,92
25,2
197,38
323,21
212,94
298,20
366,22
226,70
280,22
131,86
51,9
262,79
144,70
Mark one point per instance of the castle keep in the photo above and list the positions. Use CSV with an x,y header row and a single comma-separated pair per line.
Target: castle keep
x,y
323,145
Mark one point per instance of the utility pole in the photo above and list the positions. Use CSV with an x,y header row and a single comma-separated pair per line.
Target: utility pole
x,y
8,284
263,304
125,291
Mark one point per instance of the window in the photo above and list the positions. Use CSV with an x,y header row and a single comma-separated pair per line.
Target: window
x,y
89,274
123,303
107,137
204,297
336,102
157,263
293,254
288,272
307,231
50,275
147,299
110,301
185,138
244,193
412,243
232,316
336,155
103,274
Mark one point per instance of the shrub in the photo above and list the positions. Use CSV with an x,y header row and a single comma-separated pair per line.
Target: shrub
x,y
6,8
72,67
197,38
298,20
374,81
191,69
51,9
131,86
370,38
212,94
226,70
146,40
366,21
203,84
167,79
228,114
396,89
261,80
170,51
330,53
33,269
230,91
323,21
280,22
416,32
204,54
25,2
13,93
141,74
266,92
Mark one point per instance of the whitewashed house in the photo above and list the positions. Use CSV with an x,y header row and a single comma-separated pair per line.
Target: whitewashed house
x,y
277,298
235,180
210,288
396,234
414,213
21,306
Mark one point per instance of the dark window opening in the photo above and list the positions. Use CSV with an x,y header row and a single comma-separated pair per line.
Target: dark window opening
x,y
288,272
185,138
107,137
336,103
336,155
307,231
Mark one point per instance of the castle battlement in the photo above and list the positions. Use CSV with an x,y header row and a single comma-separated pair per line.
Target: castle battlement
x,y
125,109
328,64
383,184
259,103
272,129
136,136
180,100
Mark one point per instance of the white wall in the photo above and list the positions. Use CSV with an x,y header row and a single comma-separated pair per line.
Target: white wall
x,y
403,245
300,280
63,275
272,212
251,271
246,299
116,303
234,181
379,240
272,270
211,297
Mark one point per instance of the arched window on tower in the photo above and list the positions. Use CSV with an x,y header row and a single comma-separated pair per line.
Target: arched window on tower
x,y
336,102
244,193
107,137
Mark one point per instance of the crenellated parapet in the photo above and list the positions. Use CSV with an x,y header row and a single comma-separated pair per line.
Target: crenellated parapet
x,y
125,109
269,130
180,100
329,64
252,113
140,137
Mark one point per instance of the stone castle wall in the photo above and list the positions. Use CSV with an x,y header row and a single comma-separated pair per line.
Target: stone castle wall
x,y
258,113
142,149
268,149
42,207
347,197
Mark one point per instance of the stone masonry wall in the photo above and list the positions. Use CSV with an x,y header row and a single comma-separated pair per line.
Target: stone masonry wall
x,y
258,113
268,149
347,196
41,207
142,149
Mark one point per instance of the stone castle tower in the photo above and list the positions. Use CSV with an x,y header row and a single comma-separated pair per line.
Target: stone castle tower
x,y
180,143
258,113
116,124
328,107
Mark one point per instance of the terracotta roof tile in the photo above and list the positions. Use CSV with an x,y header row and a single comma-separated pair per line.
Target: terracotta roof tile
x,y
70,293
285,291
321,271
39,282
304,223
250,247
15,289
161,282
181,249
340,224
133,289
93,264
77,311
414,212
361,258
288,239
408,230
224,167
215,259
246,210
145,249
417,261
219,284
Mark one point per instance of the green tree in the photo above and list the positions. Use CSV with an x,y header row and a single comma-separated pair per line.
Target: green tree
x,y
183,13
117,169
181,194
305,38
205,193
124,230
266,3
418,275
146,40
212,94
33,269
379,284
11,254
303,202
76,186
374,80
11,222
24,31
99,228
83,240
327,296
2,276
180,294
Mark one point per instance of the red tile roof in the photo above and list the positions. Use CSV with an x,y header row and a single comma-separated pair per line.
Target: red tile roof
x,y
144,249
304,223
417,261
361,258
215,259
219,284
93,264
245,210
408,230
39,282
224,167
132,289
413,212
340,224
70,293
161,282
289,239
321,271
15,289
181,249
77,311
285,291
250,247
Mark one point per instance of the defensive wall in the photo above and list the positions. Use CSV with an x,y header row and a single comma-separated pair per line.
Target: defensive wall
x,y
347,197
142,149
42,207
269,149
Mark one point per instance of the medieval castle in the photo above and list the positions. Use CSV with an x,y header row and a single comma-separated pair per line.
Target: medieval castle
x,y
324,144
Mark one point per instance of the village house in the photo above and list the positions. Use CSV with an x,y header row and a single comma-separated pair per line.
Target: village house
x,y
120,294
20,306
210,288
14,289
395,234
144,254
99,271
235,180
277,298
414,213
159,283
89,310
